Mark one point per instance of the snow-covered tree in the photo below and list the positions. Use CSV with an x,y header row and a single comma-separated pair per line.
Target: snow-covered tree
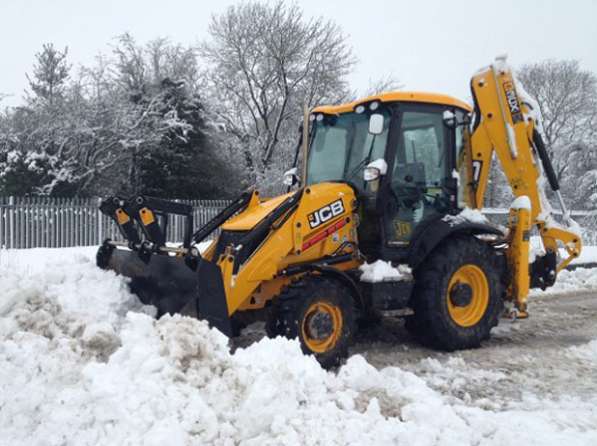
x,y
170,152
50,74
133,122
266,60
567,97
33,137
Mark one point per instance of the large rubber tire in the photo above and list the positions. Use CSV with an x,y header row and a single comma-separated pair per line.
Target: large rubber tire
x,y
322,297
438,322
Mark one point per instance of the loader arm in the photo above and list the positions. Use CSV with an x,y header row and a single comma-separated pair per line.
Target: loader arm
x,y
507,122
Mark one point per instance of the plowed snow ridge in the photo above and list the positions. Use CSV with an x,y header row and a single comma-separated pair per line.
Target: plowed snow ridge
x,y
82,362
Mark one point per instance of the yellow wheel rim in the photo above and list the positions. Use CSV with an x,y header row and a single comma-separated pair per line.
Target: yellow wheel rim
x,y
326,316
470,310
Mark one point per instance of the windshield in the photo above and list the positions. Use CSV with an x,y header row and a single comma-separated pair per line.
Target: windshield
x,y
342,146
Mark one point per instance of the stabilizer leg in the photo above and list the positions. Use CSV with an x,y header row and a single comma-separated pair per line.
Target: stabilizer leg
x,y
518,255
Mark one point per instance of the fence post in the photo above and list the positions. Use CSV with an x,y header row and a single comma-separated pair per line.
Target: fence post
x,y
11,221
2,237
100,229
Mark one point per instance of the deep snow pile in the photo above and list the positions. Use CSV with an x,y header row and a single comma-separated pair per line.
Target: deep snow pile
x,y
81,362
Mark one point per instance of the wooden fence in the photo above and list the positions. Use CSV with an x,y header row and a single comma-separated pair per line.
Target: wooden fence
x,y
47,222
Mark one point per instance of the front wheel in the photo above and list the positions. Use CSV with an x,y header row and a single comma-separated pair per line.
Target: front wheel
x,y
458,294
319,311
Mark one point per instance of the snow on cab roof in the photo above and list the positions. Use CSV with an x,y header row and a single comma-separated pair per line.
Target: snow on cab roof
x,y
396,96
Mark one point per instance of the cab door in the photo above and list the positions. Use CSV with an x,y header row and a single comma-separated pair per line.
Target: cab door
x,y
420,164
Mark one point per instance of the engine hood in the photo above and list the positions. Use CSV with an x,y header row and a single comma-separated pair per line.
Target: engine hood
x,y
254,214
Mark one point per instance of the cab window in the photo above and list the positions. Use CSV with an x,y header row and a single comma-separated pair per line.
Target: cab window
x,y
418,173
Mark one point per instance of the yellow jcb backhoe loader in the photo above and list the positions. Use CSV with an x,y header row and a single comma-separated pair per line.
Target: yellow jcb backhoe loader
x,y
394,177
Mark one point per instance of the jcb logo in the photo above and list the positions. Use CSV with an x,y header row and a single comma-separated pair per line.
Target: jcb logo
x,y
325,213
513,103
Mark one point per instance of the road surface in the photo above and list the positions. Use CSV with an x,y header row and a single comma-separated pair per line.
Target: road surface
x,y
542,355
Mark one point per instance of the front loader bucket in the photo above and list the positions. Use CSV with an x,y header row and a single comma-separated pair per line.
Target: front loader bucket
x,y
182,283
170,285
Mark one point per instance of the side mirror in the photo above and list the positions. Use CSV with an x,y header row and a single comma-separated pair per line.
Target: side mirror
x,y
452,120
375,169
290,177
376,121
449,119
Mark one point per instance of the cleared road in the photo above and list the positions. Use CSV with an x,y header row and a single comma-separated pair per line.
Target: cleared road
x,y
543,355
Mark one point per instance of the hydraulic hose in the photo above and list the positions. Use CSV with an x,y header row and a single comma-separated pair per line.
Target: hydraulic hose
x,y
545,161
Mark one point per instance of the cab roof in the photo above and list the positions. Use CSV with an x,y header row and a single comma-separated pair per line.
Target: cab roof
x,y
396,96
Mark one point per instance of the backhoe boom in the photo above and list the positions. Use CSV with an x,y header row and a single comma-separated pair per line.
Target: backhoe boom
x,y
507,122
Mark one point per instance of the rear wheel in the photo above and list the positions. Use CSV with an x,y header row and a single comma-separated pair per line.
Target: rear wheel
x,y
319,312
458,295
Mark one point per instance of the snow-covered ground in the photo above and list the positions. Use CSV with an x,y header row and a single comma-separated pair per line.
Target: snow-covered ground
x,y
587,255
82,362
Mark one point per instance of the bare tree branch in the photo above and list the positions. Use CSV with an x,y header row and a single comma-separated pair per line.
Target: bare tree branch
x,y
265,61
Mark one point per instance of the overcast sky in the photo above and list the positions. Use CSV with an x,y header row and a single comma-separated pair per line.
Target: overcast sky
x,y
428,45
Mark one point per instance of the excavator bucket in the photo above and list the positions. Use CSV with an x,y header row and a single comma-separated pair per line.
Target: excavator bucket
x,y
173,279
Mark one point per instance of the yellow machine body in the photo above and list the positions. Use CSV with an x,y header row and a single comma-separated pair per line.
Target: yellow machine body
x,y
266,244
506,126
322,223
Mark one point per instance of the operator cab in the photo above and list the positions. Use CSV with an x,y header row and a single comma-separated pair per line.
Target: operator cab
x,y
401,152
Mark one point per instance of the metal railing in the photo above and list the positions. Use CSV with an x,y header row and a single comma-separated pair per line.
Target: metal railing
x,y
49,222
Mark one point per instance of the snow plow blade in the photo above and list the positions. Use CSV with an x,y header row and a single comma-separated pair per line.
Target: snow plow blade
x,y
170,284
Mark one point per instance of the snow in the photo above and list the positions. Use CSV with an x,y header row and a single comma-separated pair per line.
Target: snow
x,y
587,351
512,140
522,202
501,62
473,216
587,255
379,164
448,114
289,176
204,245
466,215
533,109
500,65
547,211
572,226
382,271
577,280
39,259
536,248
82,362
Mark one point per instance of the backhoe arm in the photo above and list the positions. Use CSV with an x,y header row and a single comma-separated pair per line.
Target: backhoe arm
x,y
507,121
